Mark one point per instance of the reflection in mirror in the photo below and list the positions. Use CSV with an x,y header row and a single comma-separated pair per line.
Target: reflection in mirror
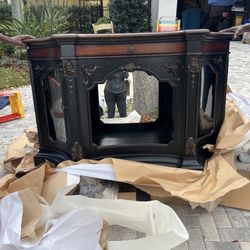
x,y
208,81
53,96
129,97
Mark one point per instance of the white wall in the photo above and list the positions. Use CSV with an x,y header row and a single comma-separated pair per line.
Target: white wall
x,y
159,8
167,8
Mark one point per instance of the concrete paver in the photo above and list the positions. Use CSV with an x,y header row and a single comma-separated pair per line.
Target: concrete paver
x,y
234,234
208,227
222,246
195,239
222,221
224,228
244,245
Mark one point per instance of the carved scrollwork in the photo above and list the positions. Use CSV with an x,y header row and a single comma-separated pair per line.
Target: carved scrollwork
x,y
88,72
130,67
193,68
173,70
76,151
69,69
190,147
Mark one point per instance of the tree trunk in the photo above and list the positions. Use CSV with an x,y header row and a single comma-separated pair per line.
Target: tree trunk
x,y
17,9
146,92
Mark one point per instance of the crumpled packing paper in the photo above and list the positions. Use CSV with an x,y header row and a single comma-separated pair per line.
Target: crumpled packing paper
x,y
200,188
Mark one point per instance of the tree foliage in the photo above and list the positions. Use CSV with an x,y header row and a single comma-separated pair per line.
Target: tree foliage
x,y
5,12
129,15
39,21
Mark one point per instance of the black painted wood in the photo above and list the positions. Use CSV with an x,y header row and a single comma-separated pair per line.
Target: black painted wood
x,y
83,61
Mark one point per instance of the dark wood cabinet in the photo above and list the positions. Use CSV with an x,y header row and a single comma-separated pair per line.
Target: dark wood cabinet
x,y
189,67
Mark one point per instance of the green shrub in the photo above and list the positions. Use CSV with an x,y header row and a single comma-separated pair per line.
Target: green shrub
x,y
79,19
6,50
39,21
103,20
130,15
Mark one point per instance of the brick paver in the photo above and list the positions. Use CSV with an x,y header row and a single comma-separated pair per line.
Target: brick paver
x,y
224,228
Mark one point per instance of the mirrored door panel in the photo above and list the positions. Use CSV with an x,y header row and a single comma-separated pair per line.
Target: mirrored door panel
x,y
129,97
54,106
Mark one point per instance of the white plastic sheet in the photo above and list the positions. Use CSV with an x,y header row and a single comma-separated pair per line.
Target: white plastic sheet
x,y
100,171
76,229
76,223
242,103
160,223
163,228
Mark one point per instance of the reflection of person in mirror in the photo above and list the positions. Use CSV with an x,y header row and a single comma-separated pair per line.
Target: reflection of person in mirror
x,y
115,93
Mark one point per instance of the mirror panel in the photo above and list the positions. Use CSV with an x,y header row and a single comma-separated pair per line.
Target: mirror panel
x,y
207,91
129,97
54,106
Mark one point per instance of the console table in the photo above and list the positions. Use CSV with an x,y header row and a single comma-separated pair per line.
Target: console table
x,y
191,72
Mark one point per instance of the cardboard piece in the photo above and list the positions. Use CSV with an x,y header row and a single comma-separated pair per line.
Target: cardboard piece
x,y
238,198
